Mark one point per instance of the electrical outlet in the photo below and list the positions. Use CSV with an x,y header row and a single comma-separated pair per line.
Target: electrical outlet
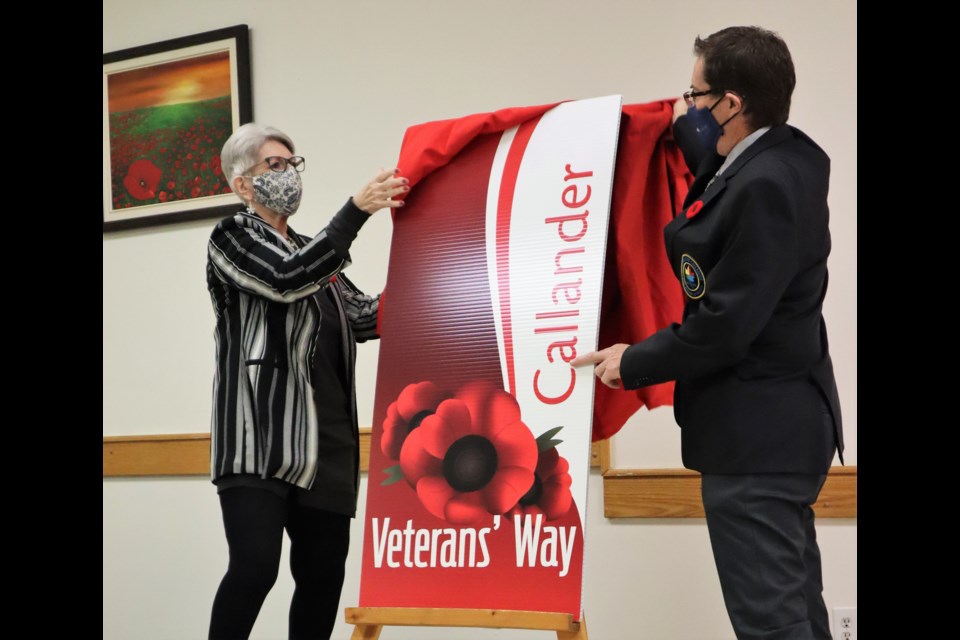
x,y
844,623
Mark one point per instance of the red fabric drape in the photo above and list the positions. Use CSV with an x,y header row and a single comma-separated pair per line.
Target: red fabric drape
x,y
428,146
640,292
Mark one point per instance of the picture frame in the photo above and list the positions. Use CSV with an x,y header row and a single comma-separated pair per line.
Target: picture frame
x,y
168,107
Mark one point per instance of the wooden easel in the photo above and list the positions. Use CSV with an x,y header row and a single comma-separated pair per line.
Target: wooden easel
x,y
369,621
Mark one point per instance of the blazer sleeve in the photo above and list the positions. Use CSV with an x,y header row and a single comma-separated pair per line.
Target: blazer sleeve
x,y
241,256
361,310
758,260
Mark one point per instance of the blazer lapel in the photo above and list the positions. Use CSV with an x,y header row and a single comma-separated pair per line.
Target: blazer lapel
x,y
707,185
708,169
710,188
775,136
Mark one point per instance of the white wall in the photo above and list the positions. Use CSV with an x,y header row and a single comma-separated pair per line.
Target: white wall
x,y
345,79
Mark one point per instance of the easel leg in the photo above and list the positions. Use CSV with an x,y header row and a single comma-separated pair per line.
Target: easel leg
x,y
575,635
366,632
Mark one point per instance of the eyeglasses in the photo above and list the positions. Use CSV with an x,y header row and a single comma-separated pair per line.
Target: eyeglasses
x,y
279,163
689,96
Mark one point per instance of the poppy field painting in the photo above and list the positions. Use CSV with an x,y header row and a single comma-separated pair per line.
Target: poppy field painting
x,y
168,109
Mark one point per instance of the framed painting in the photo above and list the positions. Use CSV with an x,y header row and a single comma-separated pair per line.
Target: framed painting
x,y
168,107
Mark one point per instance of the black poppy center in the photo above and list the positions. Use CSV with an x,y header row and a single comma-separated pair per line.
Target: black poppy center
x,y
533,495
470,463
417,419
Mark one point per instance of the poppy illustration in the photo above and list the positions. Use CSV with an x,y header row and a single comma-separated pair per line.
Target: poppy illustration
x,y
142,179
415,402
472,458
550,494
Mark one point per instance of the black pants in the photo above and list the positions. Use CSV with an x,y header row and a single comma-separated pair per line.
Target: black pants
x,y
765,547
254,520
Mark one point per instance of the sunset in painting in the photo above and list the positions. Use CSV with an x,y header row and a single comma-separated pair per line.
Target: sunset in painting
x,y
167,125
187,80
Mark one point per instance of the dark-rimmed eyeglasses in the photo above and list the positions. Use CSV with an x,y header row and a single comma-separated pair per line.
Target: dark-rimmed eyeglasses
x,y
279,163
691,95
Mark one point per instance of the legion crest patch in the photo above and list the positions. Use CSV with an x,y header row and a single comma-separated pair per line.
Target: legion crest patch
x,y
691,277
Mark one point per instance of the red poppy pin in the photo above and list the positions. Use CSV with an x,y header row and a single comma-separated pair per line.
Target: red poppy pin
x,y
695,208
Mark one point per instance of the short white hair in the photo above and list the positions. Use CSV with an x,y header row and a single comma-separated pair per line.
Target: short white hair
x,y
242,149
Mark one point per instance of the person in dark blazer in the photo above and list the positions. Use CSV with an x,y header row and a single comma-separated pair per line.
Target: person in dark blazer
x,y
755,394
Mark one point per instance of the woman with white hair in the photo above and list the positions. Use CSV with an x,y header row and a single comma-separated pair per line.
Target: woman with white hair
x,y
284,440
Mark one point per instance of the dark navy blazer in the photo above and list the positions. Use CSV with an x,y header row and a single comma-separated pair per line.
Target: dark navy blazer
x,y
755,388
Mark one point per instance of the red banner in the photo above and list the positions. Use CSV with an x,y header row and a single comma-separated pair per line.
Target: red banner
x,y
480,449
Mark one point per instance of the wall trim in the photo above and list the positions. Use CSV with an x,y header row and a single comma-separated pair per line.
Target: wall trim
x,y
177,454
675,493
188,454
627,493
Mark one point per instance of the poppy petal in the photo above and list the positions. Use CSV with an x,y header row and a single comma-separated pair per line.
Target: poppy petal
x,y
420,396
516,447
559,480
394,433
415,462
547,462
142,179
555,501
533,511
440,430
506,488
502,410
562,466
465,509
489,406
434,494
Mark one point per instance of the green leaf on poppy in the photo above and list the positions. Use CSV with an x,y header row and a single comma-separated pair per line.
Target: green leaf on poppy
x,y
546,442
394,474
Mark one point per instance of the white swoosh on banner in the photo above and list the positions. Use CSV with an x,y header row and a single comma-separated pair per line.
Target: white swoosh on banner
x,y
548,201
493,199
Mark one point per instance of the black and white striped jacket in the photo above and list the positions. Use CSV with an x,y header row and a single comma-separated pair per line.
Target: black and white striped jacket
x,y
264,418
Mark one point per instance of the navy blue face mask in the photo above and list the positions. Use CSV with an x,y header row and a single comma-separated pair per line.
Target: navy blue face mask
x,y
706,128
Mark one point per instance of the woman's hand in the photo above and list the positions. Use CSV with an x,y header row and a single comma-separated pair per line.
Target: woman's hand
x,y
379,192
679,108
